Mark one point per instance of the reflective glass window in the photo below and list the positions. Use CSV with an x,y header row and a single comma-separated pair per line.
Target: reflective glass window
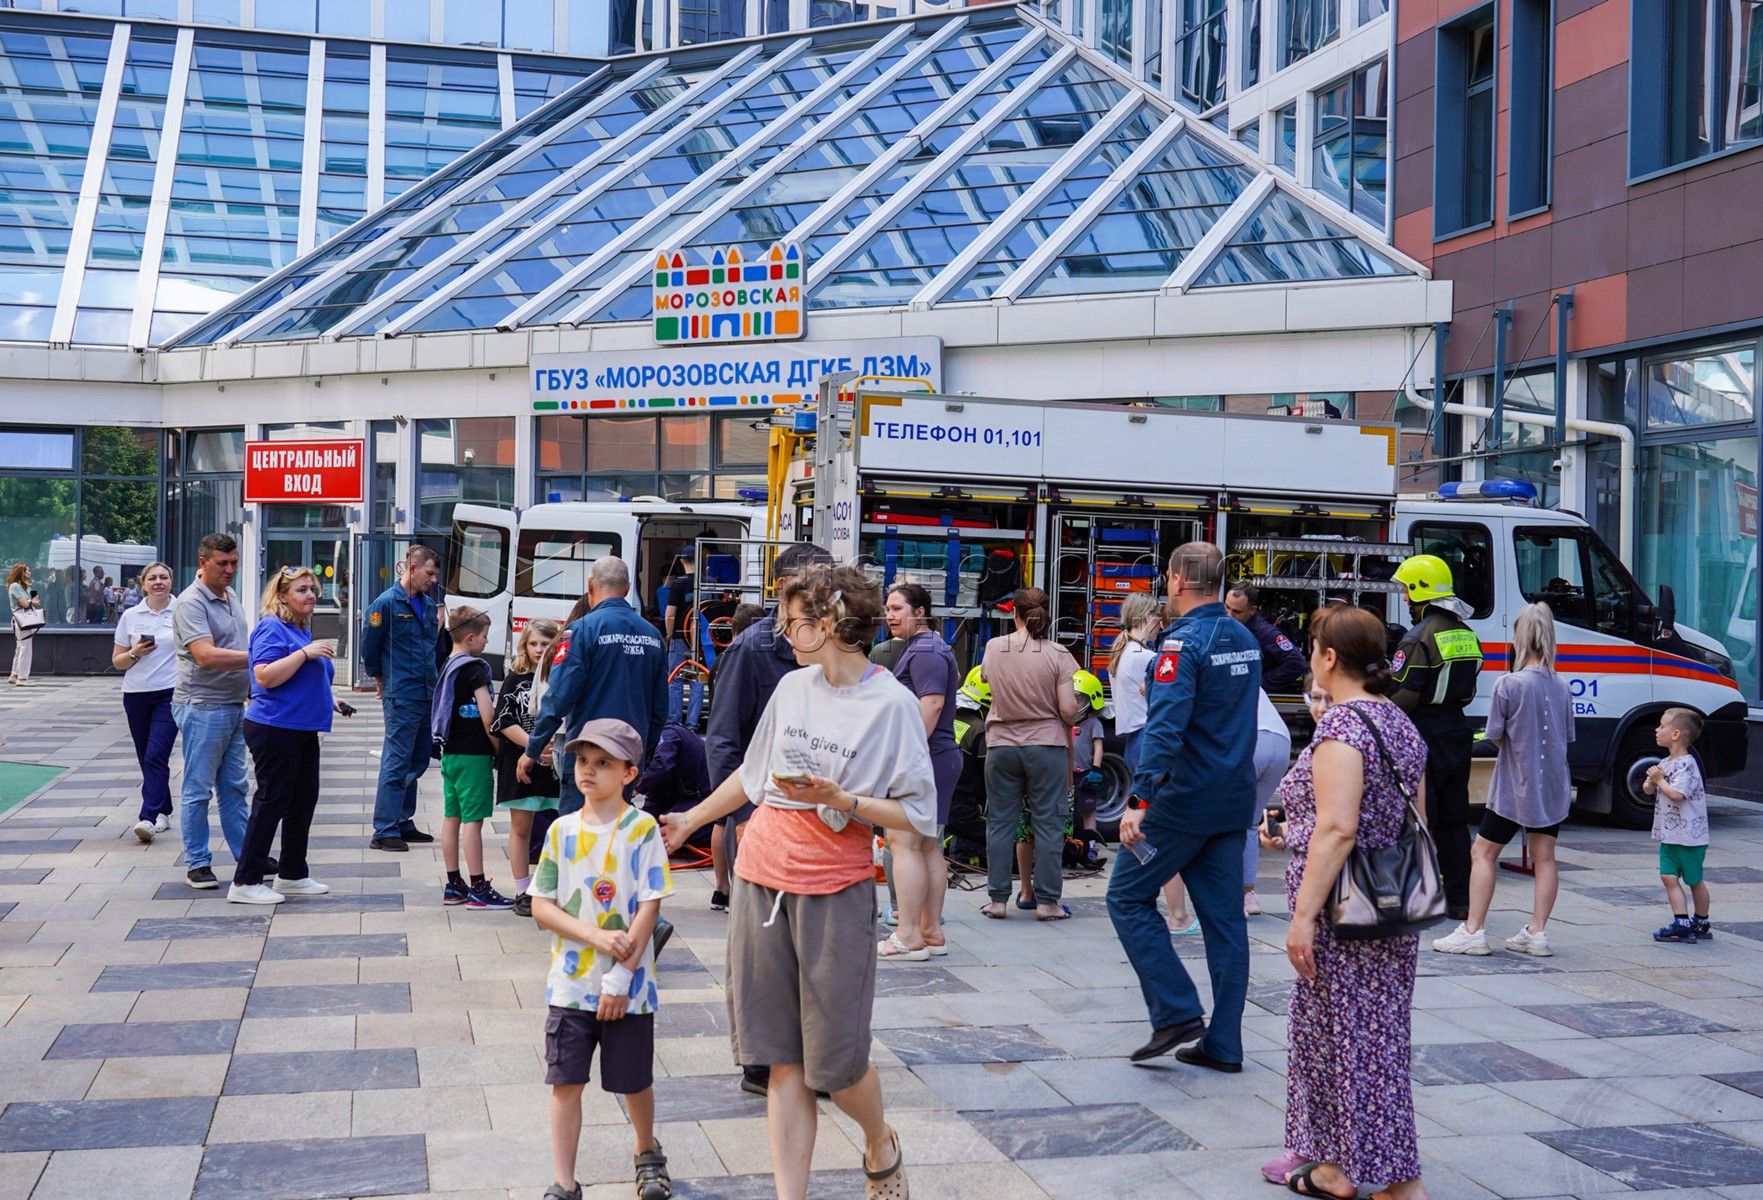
x,y
1200,51
1705,389
1351,141
157,10
407,20
292,16
1305,26
528,24
1463,160
473,22
1137,241
217,12
1252,43
342,169
343,18
1697,86
36,449
1285,242
470,460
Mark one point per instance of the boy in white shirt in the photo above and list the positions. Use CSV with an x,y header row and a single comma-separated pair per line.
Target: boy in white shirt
x,y
1680,825
598,890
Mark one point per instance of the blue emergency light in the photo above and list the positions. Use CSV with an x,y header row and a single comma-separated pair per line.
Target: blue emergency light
x,y
754,494
1489,489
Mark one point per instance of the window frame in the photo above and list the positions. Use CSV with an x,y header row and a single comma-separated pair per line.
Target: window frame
x,y
1452,93
462,530
1478,613
1533,75
1584,537
1357,124
1650,83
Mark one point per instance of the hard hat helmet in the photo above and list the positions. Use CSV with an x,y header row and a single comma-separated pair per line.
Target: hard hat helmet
x,y
1088,685
977,689
1427,577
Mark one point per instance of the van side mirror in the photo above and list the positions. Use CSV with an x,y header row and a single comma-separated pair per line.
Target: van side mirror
x,y
1665,612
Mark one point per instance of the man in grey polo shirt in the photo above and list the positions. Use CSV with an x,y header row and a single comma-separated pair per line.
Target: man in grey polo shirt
x,y
214,683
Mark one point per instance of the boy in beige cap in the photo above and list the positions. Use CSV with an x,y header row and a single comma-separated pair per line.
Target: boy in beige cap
x,y
598,890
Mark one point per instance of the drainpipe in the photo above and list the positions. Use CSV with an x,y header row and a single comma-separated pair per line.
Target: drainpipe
x,y
1502,321
1624,444
1563,302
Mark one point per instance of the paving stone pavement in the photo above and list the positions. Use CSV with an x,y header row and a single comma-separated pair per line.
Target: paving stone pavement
x,y
160,1043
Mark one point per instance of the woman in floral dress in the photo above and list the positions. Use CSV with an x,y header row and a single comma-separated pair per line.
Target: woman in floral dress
x,y
1349,1096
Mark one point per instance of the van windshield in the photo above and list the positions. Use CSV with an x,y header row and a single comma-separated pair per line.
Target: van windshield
x,y
1569,568
553,563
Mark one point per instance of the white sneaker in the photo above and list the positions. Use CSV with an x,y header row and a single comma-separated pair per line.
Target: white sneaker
x,y
253,893
162,825
1526,942
1461,941
145,831
301,887
1251,904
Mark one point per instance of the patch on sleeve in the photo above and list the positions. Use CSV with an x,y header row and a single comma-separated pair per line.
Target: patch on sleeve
x,y
562,651
1398,662
1283,642
374,618
1168,663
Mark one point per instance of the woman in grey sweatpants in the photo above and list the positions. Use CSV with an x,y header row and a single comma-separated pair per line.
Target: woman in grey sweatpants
x,y
1028,753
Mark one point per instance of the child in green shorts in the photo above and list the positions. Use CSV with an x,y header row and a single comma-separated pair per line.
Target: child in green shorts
x,y
462,715
1680,825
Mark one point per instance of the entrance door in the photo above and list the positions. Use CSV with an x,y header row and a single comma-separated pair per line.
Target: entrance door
x,y
327,554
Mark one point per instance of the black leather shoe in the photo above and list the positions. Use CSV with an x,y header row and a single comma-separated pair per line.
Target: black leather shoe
x,y
1195,1057
388,843
416,837
1169,1037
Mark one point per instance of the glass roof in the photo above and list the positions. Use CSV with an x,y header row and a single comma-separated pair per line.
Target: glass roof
x,y
976,156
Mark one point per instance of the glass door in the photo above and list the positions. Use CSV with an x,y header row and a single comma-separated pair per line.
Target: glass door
x,y
372,567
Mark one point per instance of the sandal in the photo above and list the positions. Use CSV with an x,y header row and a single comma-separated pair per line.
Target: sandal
x,y
1064,914
557,1192
892,947
995,911
1025,905
936,949
1300,1182
888,1184
653,1182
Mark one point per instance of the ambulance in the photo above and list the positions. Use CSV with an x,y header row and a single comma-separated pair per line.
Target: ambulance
x,y
972,497
521,564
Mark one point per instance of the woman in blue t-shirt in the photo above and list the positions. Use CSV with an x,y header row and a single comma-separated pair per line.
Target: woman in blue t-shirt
x,y
291,704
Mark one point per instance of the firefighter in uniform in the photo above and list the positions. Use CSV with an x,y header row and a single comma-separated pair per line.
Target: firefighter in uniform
x,y
1436,667
1193,794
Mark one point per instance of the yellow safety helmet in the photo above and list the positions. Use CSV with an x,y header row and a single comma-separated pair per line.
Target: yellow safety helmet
x,y
1088,685
1427,577
977,689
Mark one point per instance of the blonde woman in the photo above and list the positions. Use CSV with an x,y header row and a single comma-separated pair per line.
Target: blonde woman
x,y
1530,718
291,704
1141,619
514,721
23,598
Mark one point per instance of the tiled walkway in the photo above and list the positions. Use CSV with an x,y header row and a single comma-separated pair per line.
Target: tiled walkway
x,y
157,1042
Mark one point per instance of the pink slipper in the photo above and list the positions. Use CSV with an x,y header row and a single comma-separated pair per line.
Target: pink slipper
x,y
1277,1170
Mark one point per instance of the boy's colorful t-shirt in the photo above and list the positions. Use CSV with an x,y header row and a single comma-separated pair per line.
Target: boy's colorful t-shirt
x,y
1684,824
601,873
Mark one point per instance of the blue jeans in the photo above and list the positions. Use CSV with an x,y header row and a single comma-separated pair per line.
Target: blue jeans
x,y
677,653
1211,866
403,759
153,730
214,765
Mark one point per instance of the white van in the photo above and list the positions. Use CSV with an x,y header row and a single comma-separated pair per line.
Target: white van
x,y
1623,655
521,565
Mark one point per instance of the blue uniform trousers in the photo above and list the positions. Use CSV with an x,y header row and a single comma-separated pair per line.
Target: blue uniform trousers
x,y
1211,865
403,759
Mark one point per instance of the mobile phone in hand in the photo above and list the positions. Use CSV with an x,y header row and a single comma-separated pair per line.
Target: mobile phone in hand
x,y
148,640
346,709
791,776
1275,820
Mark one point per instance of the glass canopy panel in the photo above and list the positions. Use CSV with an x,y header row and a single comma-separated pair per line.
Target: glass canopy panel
x,y
1136,242
537,82
832,160
235,196
451,225
639,193
1038,226
49,89
943,219
1003,90
107,293
1285,242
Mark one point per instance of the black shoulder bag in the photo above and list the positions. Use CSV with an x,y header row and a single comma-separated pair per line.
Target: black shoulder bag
x,y
1393,891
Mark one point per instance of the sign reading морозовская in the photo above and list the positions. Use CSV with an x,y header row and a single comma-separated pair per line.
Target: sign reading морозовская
x,y
712,377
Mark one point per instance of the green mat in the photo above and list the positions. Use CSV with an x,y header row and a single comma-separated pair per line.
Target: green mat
x,y
21,780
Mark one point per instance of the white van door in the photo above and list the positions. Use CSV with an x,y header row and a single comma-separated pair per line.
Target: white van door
x,y
482,569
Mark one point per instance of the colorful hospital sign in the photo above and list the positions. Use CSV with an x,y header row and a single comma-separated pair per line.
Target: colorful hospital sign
x,y
729,299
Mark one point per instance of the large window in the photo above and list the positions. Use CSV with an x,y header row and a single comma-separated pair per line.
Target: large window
x,y
1530,120
1199,53
1305,26
81,509
1695,80
1252,43
205,491
1352,141
1463,145
471,459
1285,138
1529,452
1711,388
1698,534
684,457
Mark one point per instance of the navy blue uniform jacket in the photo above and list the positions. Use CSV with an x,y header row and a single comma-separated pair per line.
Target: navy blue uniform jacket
x,y
1197,753
398,644
1282,664
746,676
611,663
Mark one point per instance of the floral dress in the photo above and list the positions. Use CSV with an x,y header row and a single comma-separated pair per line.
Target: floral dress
x,y
1349,1094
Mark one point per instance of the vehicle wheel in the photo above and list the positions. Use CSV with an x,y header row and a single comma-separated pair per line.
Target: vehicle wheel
x,y
1630,807
1119,787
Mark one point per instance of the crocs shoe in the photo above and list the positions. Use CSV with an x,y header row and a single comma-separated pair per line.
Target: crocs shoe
x,y
889,1183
